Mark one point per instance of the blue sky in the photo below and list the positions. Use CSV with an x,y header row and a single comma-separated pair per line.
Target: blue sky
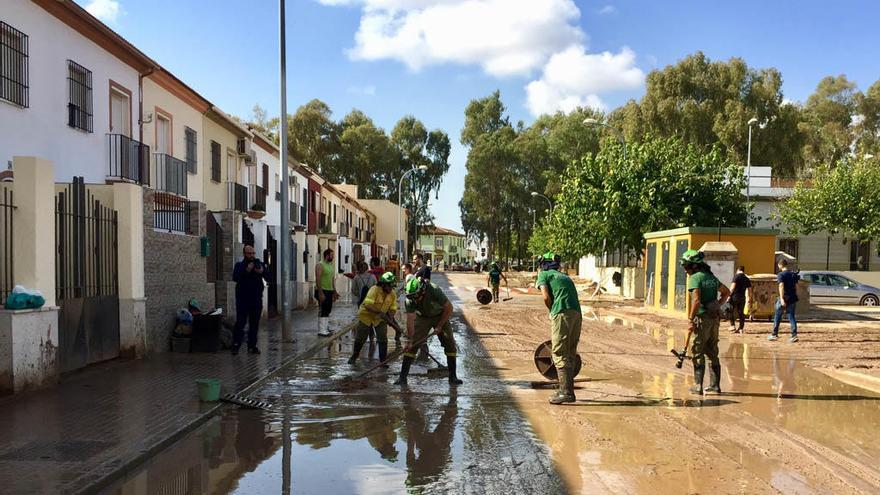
x,y
429,58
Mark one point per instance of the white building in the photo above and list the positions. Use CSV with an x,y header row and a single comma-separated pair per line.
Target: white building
x,y
68,82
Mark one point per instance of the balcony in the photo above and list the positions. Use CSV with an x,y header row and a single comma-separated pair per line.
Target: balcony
x,y
236,197
169,174
256,198
128,159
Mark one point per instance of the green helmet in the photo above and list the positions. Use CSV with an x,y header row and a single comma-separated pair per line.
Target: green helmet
x,y
549,256
494,264
388,278
413,287
692,256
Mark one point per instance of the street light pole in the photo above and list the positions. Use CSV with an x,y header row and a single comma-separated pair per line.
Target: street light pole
x,y
286,330
535,194
617,132
752,121
400,207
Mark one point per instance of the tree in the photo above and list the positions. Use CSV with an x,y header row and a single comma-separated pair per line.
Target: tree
x,y
664,183
868,128
264,125
366,157
828,122
313,138
416,146
705,103
843,199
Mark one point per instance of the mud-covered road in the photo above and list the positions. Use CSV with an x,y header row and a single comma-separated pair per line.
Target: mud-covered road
x,y
778,427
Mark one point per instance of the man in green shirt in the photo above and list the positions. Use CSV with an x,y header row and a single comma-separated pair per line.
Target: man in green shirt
x,y
705,318
325,291
427,307
560,297
494,279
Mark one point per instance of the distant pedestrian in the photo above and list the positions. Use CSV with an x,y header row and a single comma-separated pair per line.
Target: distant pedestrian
x,y
361,283
740,296
376,267
705,318
494,279
422,270
787,300
325,291
248,275
394,266
561,299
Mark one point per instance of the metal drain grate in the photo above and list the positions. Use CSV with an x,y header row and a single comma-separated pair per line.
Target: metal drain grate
x,y
56,451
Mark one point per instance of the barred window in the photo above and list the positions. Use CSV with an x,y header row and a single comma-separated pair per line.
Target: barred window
x,y
216,163
79,106
13,65
191,150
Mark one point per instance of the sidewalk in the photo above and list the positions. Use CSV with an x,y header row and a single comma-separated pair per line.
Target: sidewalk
x,y
97,423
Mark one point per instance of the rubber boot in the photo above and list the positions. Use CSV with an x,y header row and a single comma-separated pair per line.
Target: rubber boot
x,y
323,327
383,353
404,371
714,379
565,393
355,354
453,376
699,372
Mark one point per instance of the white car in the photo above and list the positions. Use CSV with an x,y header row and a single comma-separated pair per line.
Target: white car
x,y
834,288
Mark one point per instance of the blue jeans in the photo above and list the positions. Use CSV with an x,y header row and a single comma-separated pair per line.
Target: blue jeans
x,y
777,318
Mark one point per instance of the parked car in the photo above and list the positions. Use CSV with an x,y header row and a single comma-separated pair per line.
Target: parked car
x,y
834,288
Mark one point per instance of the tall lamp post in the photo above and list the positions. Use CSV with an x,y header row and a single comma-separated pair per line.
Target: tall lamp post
x,y
400,206
617,132
752,122
286,330
535,194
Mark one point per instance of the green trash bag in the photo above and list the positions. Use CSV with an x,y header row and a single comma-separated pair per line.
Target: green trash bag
x,y
20,298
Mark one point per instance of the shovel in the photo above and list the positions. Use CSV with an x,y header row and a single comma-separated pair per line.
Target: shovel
x,y
683,354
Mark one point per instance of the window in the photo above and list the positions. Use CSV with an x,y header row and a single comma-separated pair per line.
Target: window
x,y
191,150
13,65
838,281
79,103
215,161
438,243
789,246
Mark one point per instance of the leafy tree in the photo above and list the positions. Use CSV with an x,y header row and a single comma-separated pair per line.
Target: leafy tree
x,y
313,137
828,122
266,126
843,199
664,183
868,128
366,157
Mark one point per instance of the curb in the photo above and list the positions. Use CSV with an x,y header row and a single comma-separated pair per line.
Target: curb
x,y
128,466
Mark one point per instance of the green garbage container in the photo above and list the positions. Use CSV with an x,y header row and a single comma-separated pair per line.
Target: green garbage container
x,y
209,389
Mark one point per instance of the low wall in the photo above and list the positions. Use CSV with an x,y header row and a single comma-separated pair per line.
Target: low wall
x,y
174,272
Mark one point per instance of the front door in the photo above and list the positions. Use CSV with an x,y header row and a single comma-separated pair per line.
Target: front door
x,y
842,290
163,135
270,259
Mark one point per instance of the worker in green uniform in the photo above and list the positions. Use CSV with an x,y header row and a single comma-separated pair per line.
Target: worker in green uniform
x,y
705,318
375,313
560,297
494,279
427,307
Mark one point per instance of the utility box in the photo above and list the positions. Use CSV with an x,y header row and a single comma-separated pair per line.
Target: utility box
x,y
722,258
205,246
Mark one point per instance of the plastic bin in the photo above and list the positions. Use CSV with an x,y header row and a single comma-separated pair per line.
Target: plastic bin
x,y
206,333
209,389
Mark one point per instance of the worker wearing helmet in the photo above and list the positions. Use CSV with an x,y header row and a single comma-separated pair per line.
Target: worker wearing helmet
x,y
560,297
494,279
375,313
705,318
428,308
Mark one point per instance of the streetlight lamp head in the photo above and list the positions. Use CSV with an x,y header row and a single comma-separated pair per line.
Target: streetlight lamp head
x,y
534,194
753,121
423,167
869,156
590,121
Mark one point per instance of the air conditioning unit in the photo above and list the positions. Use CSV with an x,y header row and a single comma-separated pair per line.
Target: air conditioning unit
x,y
250,158
243,146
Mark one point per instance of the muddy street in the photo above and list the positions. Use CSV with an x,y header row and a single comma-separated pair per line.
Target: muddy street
x,y
779,426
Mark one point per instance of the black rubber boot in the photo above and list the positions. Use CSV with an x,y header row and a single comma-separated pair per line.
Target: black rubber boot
x,y
355,354
714,379
453,377
565,393
404,370
699,372
383,353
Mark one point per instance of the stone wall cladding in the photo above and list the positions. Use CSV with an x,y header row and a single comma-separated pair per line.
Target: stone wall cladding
x,y
174,272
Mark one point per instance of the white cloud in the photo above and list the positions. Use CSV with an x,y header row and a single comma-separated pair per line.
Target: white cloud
x,y
362,90
574,78
607,10
107,11
504,37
